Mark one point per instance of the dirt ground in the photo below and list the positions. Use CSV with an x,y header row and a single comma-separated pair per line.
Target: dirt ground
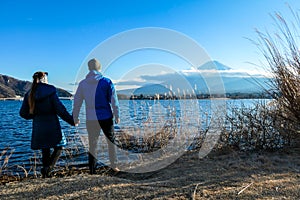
x,y
222,174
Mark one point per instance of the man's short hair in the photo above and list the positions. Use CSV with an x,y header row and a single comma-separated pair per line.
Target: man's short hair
x,y
94,64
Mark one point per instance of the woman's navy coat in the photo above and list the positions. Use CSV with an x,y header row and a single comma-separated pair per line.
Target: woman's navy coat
x,y
46,129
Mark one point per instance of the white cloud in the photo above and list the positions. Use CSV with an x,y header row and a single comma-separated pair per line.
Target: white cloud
x,y
230,72
192,75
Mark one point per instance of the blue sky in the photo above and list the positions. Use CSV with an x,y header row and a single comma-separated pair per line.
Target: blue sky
x,y
57,36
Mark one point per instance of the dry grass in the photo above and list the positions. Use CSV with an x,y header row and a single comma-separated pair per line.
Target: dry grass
x,y
223,174
281,51
255,127
146,143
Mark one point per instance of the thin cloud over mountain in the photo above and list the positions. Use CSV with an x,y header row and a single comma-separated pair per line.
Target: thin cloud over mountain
x,y
214,73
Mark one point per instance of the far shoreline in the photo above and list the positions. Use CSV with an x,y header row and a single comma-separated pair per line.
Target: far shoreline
x,y
120,99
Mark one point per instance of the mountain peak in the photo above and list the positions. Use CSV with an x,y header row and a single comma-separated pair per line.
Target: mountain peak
x,y
11,87
214,65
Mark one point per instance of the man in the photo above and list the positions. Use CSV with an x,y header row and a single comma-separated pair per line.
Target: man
x,y
101,105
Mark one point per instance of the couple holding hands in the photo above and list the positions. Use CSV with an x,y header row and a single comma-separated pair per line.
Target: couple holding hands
x,y
42,105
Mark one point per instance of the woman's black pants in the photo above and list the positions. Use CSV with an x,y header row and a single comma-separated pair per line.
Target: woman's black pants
x,y
49,159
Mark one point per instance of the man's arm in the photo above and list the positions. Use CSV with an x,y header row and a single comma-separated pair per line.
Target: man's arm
x,y
115,104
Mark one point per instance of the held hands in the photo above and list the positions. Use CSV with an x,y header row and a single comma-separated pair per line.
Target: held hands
x,y
117,120
76,122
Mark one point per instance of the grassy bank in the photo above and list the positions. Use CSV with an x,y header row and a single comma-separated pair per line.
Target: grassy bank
x,y
225,174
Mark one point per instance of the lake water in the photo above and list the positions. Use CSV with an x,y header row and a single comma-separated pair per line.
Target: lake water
x,y
140,117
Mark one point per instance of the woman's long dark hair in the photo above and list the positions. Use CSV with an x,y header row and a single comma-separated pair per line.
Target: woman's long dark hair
x,y
31,100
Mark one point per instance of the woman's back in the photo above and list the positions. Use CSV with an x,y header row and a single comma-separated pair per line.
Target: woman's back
x,y
46,129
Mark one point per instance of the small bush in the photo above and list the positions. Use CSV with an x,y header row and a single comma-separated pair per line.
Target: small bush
x,y
255,127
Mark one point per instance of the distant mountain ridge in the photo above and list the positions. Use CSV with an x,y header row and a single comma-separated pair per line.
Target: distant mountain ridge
x,y
11,88
212,72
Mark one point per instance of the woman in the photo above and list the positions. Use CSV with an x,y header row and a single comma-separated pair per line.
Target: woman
x,y
42,104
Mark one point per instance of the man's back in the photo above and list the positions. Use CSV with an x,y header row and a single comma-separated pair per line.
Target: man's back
x,y
98,92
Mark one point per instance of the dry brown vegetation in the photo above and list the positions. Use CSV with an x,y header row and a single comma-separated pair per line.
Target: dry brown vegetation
x,y
281,51
222,174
